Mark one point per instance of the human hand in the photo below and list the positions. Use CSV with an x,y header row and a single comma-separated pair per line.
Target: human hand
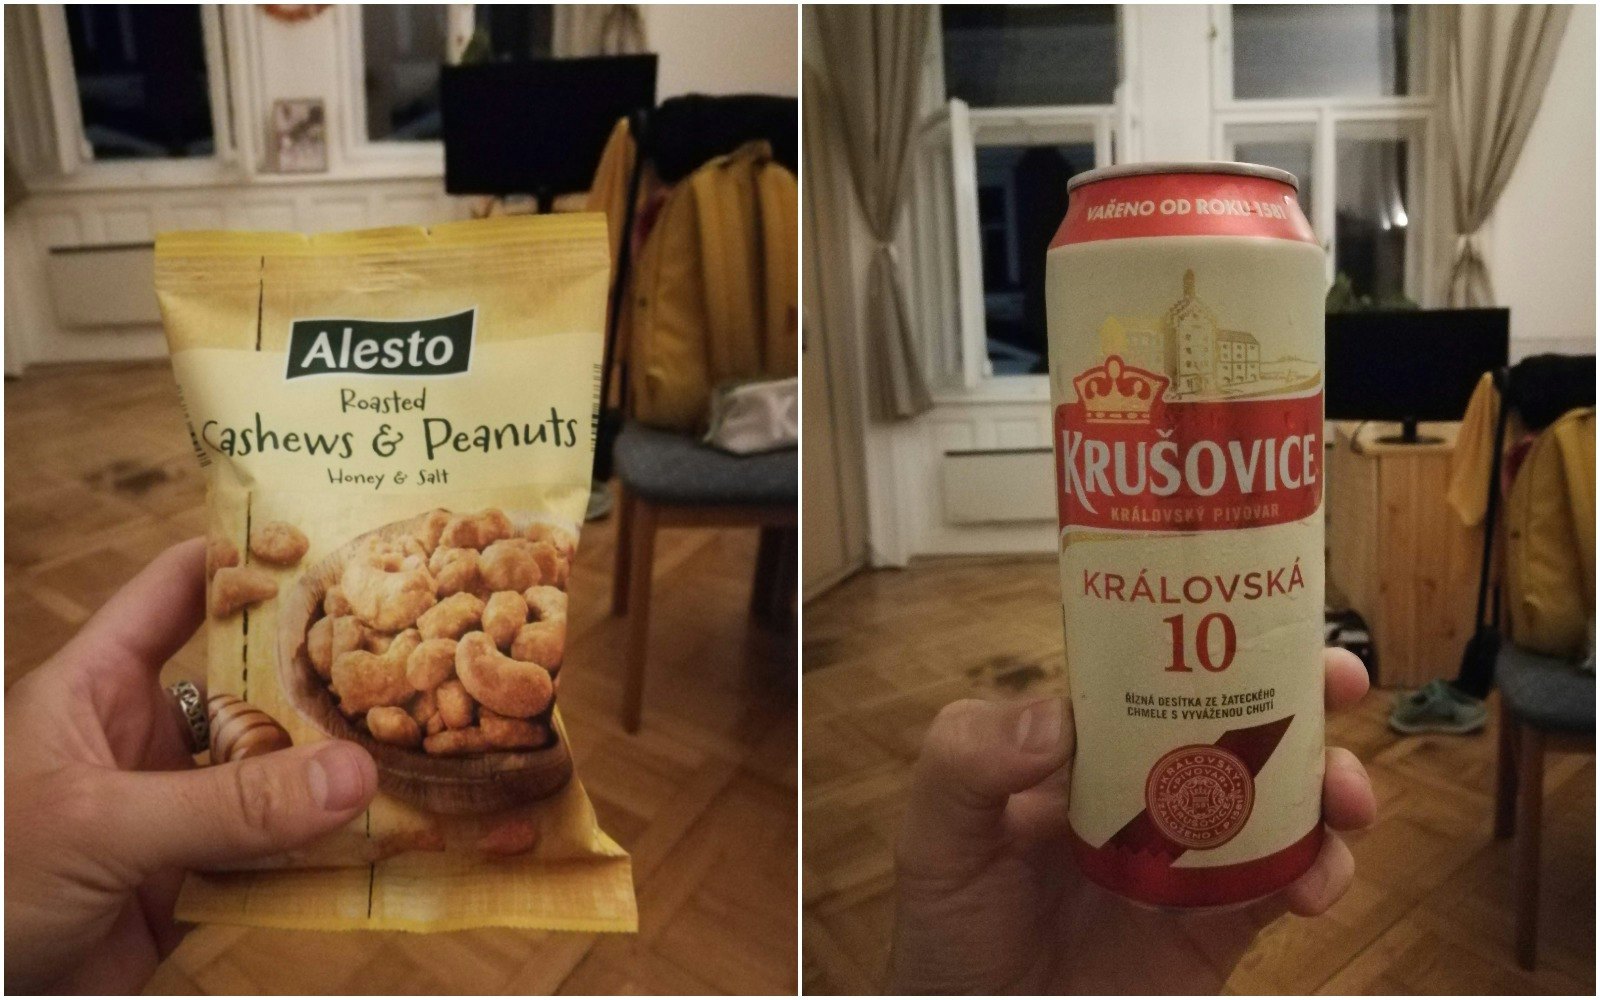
x,y
990,900
105,809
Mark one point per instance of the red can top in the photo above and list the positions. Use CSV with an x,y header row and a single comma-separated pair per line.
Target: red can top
x,y
1191,199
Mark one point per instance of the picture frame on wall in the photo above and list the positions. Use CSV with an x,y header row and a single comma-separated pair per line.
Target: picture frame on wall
x,y
299,136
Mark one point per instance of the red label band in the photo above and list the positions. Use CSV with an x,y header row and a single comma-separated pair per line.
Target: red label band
x,y
1153,881
1216,465
1119,208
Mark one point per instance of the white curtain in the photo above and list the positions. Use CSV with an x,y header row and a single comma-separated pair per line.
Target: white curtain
x,y
872,56
33,146
612,29
1496,62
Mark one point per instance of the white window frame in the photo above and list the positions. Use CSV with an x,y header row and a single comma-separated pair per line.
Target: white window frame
x,y
389,157
1329,119
75,156
959,352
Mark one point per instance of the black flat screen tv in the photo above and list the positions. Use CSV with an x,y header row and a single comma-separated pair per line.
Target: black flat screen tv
x,y
536,126
1412,365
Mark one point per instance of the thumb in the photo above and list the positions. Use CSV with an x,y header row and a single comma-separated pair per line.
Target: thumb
x,y
975,757
213,817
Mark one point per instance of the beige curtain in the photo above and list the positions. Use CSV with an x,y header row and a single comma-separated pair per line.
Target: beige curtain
x,y
1496,62
33,146
602,29
873,59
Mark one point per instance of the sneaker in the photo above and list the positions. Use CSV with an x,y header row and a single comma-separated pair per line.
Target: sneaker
x,y
599,502
1437,708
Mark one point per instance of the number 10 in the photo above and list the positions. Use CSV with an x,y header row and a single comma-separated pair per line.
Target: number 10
x,y
1202,643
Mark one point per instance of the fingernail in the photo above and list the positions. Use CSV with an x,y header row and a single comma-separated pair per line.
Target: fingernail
x,y
1039,726
337,779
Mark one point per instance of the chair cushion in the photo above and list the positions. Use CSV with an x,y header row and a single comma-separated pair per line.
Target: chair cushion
x,y
671,468
1545,692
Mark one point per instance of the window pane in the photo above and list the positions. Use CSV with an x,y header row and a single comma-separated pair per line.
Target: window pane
x,y
999,55
1022,198
1372,216
403,46
516,30
1321,50
1293,155
142,85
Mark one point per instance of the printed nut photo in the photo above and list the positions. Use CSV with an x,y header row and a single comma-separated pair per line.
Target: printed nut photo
x,y
437,643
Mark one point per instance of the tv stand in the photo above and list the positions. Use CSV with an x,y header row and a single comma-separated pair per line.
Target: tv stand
x,y
1408,435
1398,554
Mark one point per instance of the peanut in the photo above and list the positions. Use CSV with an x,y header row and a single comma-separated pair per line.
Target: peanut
x,y
509,687
451,742
510,837
552,564
454,571
456,707
432,527
334,604
348,634
511,734
364,680
319,646
476,531
220,553
234,587
394,726
565,541
423,707
278,543
546,603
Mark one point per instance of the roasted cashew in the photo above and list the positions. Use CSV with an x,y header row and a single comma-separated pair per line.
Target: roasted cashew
x,y
452,617
543,643
510,687
512,564
388,600
503,613
432,663
476,531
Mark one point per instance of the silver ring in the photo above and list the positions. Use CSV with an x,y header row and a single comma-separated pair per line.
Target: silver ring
x,y
193,708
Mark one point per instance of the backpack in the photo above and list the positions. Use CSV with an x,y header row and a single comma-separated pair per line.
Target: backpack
x,y
715,291
1550,529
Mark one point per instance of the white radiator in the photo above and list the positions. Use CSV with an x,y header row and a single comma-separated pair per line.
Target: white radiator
x,y
999,487
100,286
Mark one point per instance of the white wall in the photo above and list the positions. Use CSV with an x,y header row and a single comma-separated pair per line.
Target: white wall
x,y
703,48
1541,236
725,48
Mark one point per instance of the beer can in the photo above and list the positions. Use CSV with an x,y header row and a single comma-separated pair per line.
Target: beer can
x,y
1186,369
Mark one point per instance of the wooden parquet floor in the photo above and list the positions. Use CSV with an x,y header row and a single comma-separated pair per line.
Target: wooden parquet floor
x,y
1430,909
99,478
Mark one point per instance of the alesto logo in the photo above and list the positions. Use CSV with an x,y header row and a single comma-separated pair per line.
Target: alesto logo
x,y
420,347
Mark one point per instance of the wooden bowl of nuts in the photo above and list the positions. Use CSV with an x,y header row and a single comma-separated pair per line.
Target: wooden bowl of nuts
x,y
436,643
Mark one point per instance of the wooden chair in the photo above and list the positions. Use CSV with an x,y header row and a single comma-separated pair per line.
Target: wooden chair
x,y
1545,704
669,480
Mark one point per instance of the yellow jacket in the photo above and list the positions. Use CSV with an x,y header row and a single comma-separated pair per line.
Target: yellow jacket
x,y
1474,453
1550,528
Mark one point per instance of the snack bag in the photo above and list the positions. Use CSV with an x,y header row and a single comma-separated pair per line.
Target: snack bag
x,y
396,427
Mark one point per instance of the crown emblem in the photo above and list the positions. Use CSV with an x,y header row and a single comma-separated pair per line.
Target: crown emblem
x,y
1115,393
